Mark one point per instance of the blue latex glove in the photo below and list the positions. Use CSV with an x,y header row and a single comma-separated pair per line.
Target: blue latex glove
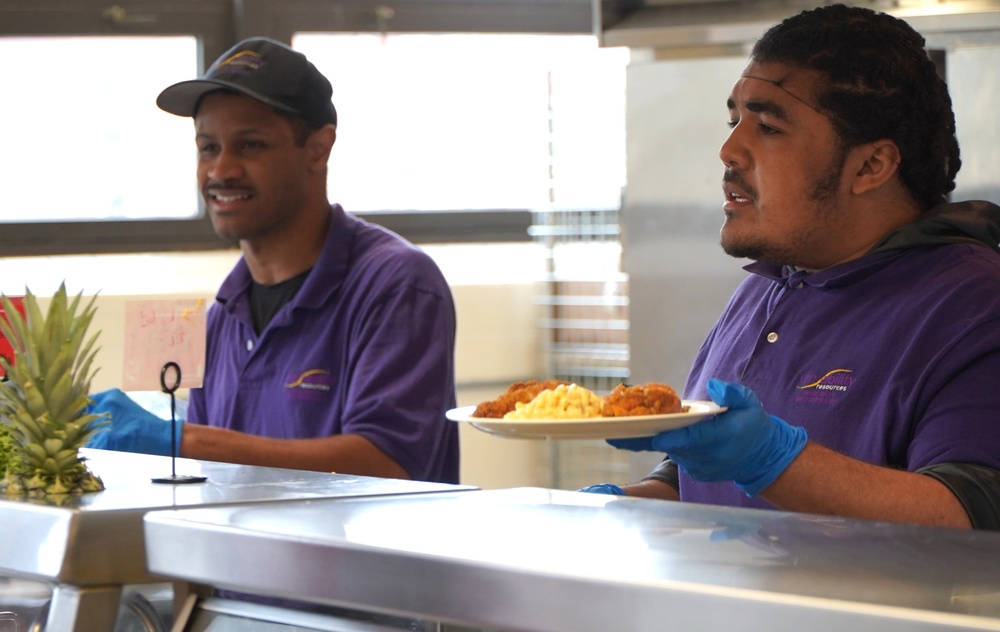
x,y
743,444
604,488
132,428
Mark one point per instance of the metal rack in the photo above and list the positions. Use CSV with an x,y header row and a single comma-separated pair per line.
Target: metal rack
x,y
585,327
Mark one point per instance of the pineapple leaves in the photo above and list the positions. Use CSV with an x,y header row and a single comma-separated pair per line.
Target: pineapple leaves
x,y
43,404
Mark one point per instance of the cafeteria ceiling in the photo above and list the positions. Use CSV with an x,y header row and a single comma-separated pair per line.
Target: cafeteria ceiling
x,y
730,26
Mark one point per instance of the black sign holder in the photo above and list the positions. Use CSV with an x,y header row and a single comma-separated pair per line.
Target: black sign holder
x,y
174,478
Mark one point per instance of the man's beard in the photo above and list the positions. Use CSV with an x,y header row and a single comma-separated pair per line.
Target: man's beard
x,y
760,249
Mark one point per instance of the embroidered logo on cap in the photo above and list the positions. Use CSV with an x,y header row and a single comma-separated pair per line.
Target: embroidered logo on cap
x,y
244,61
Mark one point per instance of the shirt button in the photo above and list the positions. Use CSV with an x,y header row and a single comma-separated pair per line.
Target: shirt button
x,y
772,337
250,345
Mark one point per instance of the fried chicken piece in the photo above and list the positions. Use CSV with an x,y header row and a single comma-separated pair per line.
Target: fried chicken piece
x,y
522,392
646,399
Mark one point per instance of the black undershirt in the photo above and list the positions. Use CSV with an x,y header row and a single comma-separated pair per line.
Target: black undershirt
x,y
266,300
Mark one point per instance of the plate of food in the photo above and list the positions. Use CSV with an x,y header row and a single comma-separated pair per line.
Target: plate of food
x,y
561,410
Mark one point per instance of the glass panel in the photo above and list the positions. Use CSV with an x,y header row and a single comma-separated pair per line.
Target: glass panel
x,y
81,134
473,121
975,92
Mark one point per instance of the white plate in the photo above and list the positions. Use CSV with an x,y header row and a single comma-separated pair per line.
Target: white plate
x,y
589,428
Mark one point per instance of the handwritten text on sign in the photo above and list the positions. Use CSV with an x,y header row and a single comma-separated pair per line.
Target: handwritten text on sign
x,y
162,331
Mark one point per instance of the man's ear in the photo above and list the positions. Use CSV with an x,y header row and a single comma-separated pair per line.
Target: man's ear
x,y
319,144
876,163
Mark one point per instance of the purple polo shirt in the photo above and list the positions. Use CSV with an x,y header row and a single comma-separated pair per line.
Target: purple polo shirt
x,y
893,358
365,347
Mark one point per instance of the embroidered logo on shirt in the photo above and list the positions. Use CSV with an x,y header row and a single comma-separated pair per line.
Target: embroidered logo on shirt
x,y
825,389
311,384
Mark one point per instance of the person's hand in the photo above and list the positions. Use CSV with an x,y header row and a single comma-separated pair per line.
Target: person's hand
x,y
743,444
131,428
604,488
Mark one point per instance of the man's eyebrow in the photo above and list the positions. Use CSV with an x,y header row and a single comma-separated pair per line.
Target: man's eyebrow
x,y
761,107
768,107
239,133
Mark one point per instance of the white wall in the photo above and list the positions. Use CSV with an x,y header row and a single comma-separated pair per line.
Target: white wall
x,y
494,289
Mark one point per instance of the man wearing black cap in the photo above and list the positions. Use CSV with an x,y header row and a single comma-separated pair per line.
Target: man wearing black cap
x,y
331,343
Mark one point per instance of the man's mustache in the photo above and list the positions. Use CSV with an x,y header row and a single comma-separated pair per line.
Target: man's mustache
x,y
735,178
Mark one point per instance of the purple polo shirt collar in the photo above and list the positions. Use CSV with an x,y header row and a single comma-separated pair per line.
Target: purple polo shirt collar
x,y
327,276
834,277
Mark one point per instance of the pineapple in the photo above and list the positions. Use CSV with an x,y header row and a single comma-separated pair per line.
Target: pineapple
x,y
43,404
6,445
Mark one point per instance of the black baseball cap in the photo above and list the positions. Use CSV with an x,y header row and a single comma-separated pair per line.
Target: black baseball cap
x,y
263,69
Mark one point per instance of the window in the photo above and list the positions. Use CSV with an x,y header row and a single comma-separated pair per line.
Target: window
x,y
457,119
454,122
85,140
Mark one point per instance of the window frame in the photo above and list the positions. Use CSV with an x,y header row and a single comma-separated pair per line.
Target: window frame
x,y
218,25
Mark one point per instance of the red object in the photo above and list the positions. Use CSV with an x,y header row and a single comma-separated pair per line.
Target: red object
x,y
6,350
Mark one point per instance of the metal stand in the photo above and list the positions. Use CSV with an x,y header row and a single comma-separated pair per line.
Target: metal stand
x,y
83,608
174,478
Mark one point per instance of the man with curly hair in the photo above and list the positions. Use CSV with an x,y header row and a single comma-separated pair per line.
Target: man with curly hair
x,y
870,319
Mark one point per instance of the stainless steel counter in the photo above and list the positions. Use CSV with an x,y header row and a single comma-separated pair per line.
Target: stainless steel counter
x,y
551,561
96,540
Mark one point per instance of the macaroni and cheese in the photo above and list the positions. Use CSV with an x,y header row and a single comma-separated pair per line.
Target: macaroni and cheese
x,y
566,401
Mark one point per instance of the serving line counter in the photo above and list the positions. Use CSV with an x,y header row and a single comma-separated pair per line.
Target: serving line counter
x,y
88,547
540,560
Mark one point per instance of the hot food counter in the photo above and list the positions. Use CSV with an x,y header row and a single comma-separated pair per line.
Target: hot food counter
x,y
540,560
86,548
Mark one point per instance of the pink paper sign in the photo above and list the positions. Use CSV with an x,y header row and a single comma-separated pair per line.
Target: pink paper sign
x,y
158,332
